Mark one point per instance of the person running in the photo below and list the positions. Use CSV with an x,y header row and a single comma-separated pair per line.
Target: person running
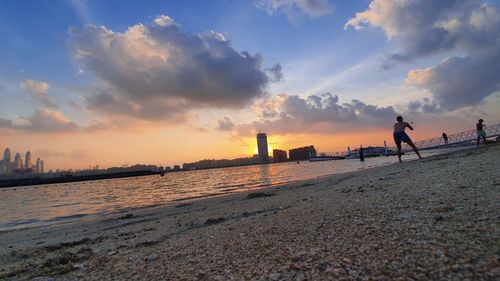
x,y
445,137
401,136
480,131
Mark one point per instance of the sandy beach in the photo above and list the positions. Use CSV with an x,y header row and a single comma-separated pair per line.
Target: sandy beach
x,y
433,219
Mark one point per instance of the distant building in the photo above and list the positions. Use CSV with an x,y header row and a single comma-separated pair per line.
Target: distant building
x,y
262,147
279,155
37,166
18,162
302,153
177,167
6,156
27,161
6,164
41,167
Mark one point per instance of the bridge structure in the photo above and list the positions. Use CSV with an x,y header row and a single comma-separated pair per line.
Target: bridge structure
x,y
457,139
464,138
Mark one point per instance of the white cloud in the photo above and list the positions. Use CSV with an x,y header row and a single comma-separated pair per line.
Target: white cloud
x,y
43,120
421,28
160,71
320,114
38,91
294,8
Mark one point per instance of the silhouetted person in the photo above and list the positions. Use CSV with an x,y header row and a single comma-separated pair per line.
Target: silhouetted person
x,y
361,154
445,137
401,136
480,131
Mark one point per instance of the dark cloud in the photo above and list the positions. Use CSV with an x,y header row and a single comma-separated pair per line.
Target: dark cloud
x,y
460,81
5,123
225,124
276,74
159,70
420,28
320,114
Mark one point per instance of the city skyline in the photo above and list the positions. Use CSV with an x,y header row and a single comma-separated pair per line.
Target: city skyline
x,y
186,81
20,166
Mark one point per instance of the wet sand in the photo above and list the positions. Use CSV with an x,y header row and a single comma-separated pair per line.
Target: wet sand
x,y
434,219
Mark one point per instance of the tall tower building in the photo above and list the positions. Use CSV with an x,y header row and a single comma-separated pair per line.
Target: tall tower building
x,y
6,160
18,162
262,147
6,156
27,161
41,167
37,165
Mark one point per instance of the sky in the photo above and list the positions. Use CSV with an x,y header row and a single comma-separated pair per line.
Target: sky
x,y
112,83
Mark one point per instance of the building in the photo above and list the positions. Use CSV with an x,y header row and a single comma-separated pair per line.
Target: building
x,y
37,166
6,164
262,147
279,155
302,153
27,161
18,162
41,167
6,156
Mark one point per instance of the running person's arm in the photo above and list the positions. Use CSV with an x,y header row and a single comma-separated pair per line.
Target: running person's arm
x,y
410,127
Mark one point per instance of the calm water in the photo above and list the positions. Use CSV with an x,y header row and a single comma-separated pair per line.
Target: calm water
x,y
44,204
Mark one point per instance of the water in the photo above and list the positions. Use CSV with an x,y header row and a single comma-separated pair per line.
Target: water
x,y
30,206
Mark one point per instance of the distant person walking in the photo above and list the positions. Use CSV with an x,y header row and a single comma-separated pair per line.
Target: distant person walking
x,y
361,154
445,137
480,131
401,136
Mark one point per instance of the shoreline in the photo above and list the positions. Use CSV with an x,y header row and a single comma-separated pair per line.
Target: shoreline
x,y
298,228
29,222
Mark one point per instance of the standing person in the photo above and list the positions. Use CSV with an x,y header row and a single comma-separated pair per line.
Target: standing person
x,y
445,137
401,136
361,154
480,131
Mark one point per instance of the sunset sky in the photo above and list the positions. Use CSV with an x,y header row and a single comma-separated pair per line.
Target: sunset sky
x,y
166,82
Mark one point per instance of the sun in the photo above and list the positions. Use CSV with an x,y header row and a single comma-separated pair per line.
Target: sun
x,y
269,150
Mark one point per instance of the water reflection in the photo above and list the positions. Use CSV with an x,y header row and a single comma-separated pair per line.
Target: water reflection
x,y
32,205
264,175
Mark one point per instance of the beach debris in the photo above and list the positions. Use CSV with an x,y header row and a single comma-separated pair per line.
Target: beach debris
x,y
127,217
445,209
183,205
58,246
112,253
210,221
259,194
152,257
42,278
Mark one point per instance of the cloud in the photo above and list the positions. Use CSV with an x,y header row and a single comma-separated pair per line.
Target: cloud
x,y
42,121
460,81
421,28
293,9
5,123
275,72
320,114
38,91
225,124
82,9
160,71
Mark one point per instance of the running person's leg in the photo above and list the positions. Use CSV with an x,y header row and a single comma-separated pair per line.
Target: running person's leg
x,y
397,140
410,143
399,151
